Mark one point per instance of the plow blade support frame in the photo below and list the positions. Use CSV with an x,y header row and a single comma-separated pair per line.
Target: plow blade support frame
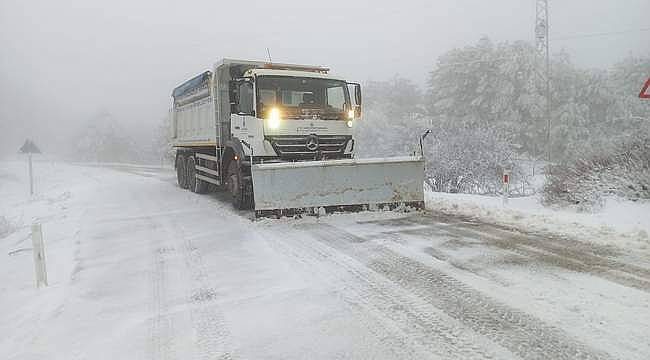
x,y
348,182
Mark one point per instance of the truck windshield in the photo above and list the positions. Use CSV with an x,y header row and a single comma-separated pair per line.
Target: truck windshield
x,y
302,98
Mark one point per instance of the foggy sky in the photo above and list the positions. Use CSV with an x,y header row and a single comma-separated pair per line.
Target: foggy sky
x,y
63,61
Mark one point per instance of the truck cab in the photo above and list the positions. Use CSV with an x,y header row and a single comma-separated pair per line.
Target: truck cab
x,y
291,115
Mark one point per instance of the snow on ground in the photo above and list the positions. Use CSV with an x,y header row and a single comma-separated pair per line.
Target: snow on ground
x,y
516,270
139,268
620,223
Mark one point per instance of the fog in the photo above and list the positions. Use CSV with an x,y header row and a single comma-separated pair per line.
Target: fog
x,y
62,62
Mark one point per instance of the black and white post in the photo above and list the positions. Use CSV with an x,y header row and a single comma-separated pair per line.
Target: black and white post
x,y
39,255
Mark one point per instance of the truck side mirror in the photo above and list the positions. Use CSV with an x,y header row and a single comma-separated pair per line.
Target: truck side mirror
x,y
245,98
356,87
233,95
357,94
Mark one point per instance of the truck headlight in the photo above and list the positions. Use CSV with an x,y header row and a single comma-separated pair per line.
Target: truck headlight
x,y
349,123
351,114
274,118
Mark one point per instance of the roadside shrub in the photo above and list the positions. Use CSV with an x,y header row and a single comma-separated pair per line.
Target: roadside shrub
x,y
468,160
6,227
585,183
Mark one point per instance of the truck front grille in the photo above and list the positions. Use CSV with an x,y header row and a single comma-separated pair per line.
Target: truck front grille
x,y
296,146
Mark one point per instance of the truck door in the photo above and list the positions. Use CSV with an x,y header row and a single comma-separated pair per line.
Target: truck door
x,y
242,119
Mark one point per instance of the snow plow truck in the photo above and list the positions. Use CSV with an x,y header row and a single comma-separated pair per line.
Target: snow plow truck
x,y
279,138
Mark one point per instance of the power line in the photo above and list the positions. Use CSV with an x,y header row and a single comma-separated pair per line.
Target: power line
x,y
600,34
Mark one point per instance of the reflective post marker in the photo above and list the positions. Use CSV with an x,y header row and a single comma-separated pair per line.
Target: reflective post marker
x,y
506,185
39,255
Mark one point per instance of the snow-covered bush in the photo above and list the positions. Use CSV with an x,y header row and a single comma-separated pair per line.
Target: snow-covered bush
x,y
6,227
468,159
586,182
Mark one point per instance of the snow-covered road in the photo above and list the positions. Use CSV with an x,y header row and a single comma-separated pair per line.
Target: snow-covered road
x,y
141,269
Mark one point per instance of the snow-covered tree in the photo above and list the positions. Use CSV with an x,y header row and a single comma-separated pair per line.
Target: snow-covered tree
x,y
162,142
486,108
103,140
392,119
626,79
491,86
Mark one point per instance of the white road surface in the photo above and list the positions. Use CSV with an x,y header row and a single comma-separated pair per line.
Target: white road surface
x,y
140,269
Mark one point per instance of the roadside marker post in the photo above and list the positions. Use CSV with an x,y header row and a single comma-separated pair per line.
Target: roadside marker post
x,y
506,185
39,255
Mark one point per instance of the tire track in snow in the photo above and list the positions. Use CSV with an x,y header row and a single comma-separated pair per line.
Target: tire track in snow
x,y
517,331
411,326
564,253
312,260
212,334
161,329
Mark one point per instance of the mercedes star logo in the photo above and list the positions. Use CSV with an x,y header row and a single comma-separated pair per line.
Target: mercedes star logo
x,y
312,142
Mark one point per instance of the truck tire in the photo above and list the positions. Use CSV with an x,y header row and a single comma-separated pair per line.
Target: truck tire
x,y
191,174
180,172
235,186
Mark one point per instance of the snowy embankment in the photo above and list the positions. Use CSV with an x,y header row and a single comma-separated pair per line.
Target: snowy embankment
x,y
621,223
28,309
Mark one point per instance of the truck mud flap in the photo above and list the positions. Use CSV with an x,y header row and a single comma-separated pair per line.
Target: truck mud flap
x,y
360,183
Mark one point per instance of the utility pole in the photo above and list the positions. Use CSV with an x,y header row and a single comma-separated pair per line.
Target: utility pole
x,y
544,62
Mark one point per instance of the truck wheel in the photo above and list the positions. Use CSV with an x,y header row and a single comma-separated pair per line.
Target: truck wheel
x,y
235,186
180,172
191,174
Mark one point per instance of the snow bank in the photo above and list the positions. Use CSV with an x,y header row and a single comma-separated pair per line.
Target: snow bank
x,y
620,222
53,207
